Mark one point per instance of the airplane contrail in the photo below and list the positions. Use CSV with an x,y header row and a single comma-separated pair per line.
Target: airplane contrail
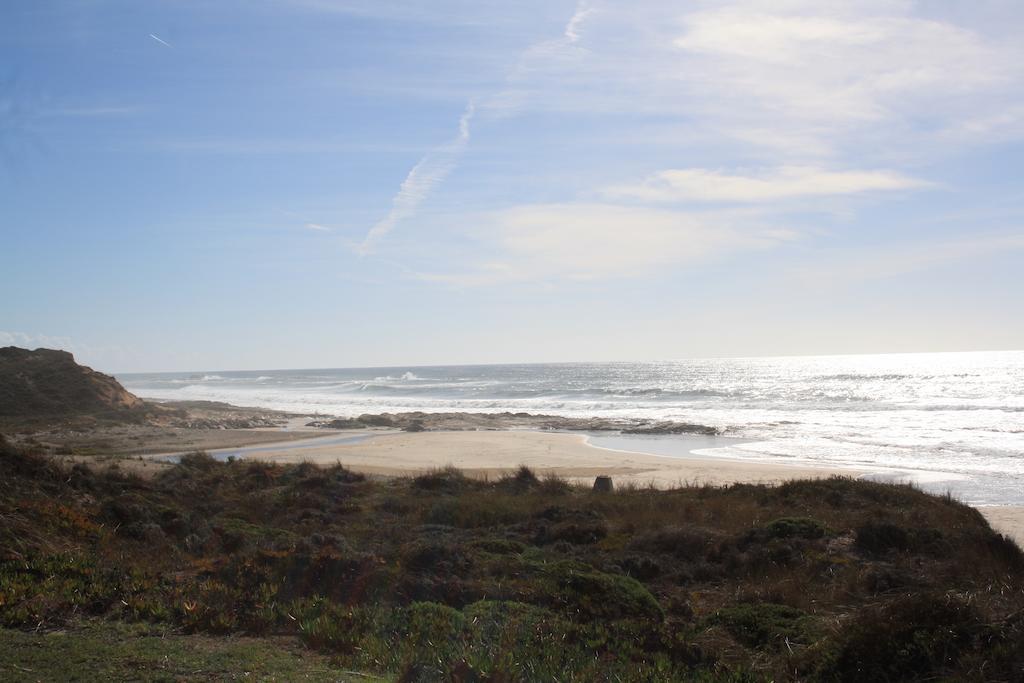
x,y
159,40
421,181
435,166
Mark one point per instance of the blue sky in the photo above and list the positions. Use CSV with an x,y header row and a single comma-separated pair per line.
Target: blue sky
x,y
320,183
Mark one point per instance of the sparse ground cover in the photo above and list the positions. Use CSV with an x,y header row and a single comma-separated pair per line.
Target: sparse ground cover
x,y
440,577
115,651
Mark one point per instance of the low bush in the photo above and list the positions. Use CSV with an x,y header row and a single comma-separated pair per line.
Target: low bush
x,y
588,594
766,625
521,481
881,537
795,527
445,480
918,637
442,577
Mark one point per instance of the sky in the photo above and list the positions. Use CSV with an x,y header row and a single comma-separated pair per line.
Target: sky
x,y
256,184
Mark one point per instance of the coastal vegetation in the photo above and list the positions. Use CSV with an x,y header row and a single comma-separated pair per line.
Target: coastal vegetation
x,y
321,573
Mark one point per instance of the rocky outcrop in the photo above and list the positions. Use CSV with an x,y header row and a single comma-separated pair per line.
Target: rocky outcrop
x,y
668,427
418,422
213,415
46,382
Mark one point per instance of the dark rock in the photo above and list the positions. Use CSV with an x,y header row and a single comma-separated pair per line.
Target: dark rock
x,y
672,428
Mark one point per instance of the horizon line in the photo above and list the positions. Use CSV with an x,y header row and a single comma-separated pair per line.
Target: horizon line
x,y
574,362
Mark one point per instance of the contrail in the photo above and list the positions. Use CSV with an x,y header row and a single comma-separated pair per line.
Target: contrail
x,y
437,164
572,28
421,180
159,40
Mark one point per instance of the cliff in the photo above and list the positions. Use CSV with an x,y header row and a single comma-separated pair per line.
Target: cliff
x,y
49,382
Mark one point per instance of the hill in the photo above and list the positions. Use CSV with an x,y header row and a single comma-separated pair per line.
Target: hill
x,y
46,382
444,578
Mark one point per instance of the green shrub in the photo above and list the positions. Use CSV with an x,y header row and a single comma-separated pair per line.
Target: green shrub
x,y
432,637
198,460
765,624
335,628
237,535
434,624
523,480
912,638
795,527
53,588
444,480
586,593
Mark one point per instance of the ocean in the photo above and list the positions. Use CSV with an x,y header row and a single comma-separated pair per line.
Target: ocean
x,y
951,422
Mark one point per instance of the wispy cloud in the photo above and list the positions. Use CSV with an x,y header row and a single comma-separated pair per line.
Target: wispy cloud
x,y
526,80
317,227
159,40
431,170
800,78
769,105
838,69
583,9
786,182
587,241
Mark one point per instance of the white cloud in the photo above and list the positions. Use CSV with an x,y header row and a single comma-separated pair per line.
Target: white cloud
x,y
800,79
840,68
317,227
786,182
583,241
762,103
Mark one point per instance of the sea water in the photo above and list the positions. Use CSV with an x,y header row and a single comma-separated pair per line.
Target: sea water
x,y
949,421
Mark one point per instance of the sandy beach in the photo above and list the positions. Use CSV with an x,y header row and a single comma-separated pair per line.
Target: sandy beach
x,y
492,453
1007,520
